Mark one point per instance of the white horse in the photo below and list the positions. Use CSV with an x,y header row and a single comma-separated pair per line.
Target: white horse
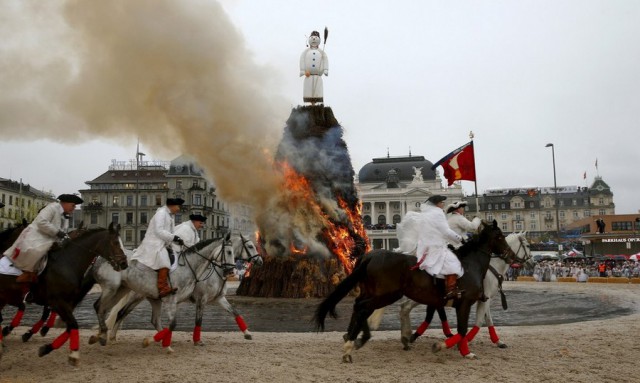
x,y
214,258
207,290
492,286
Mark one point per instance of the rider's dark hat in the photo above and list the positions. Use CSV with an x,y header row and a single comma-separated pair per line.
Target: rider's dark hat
x,y
71,198
198,217
435,199
175,201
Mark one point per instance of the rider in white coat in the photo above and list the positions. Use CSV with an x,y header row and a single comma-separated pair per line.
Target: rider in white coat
x,y
458,222
188,230
436,258
34,242
152,251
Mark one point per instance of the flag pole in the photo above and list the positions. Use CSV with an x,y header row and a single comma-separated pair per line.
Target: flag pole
x,y
475,183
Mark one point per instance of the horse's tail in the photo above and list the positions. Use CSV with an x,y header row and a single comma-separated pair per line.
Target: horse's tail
x,y
375,318
328,305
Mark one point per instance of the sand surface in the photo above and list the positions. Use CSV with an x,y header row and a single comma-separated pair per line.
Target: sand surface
x,y
594,351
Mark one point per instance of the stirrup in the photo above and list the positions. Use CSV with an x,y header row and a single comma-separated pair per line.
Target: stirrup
x,y
455,294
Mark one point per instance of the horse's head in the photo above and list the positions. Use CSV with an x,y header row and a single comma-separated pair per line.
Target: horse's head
x,y
520,246
228,262
496,242
113,249
245,249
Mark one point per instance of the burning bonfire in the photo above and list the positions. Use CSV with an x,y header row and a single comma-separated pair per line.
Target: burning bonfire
x,y
312,233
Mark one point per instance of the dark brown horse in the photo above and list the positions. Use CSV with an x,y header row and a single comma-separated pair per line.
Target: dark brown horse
x,y
60,286
384,277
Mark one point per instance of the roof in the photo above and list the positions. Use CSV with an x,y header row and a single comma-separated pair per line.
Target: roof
x,y
378,170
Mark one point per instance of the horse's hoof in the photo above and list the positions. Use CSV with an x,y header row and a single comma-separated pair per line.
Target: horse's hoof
x,y
26,336
502,345
74,358
44,350
169,350
103,341
345,337
358,343
347,358
405,343
437,347
198,343
7,330
44,331
414,337
470,356
93,339
248,337
146,342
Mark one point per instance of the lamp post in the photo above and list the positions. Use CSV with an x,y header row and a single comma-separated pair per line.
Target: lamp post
x,y
555,187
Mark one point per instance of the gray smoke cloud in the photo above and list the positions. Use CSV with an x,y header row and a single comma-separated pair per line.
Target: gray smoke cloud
x,y
175,74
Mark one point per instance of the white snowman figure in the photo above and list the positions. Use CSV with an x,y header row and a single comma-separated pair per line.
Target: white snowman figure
x,y
313,64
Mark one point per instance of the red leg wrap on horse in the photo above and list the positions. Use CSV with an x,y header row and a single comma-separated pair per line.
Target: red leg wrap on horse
x,y
422,328
241,324
17,318
60,340
0,335
450,342
74,340
493,334
463,346
196,334
446,329
472,334
166,341
36,327
160,334
52,320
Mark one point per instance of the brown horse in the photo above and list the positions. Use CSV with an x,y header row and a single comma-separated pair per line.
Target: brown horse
x,y
384,277
60,284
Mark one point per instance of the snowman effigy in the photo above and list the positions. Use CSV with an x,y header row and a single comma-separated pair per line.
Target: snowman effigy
x,y
313,64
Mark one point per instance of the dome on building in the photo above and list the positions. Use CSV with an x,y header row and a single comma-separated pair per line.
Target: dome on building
x,y
378,169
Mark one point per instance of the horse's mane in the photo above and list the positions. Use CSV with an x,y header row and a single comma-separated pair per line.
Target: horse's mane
x,y
202,244
474,242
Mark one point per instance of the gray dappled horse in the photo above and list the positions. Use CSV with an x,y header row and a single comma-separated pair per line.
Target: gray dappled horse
x,y
207,290
209,259
492,286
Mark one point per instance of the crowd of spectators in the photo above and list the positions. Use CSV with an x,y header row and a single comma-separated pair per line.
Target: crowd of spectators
x,y
550,271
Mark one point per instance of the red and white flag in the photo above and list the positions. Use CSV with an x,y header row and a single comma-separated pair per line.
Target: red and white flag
x,y
459,164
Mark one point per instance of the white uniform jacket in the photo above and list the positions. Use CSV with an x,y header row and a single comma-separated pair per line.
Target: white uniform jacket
x,y
461,225
152,251
432,243
36,239
188,233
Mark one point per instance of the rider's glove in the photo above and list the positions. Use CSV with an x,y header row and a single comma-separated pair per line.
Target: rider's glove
x,y
178,240
61,234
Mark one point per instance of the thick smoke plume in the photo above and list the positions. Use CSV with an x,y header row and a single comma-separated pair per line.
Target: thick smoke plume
x,y
175,74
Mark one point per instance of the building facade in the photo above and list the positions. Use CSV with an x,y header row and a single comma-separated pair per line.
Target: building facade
x,y
621,234
130,193
389,187
534,209
21,201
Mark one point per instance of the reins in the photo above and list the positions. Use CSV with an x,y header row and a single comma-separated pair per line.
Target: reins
x,y
213,265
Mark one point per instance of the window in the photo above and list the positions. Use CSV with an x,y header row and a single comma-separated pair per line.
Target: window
x,y
367,220
562,214
518,225
489,207
622,226
504,226
531,205
128,235
197,199
587,213
489,217
532,226
178,184
503,206
518,217
195,184
129,200
143,200
532,215
600,201
574,202
503,216
178,219
158,200
115,218
143,217
560,203
547,203
396,219
576,214
602,212
516,205
129,219
94,218
115,200
382,220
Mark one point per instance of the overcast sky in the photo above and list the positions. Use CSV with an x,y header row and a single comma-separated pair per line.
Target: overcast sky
x,y
403,76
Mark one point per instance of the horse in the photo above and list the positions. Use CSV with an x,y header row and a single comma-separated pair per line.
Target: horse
x,y
384,277
48,317
492,286
213,258
59,285
212,288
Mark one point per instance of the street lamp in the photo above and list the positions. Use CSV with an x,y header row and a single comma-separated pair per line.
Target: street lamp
x,y
555,187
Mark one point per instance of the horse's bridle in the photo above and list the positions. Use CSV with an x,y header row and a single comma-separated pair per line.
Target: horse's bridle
x,y
97,254
250,258
214,267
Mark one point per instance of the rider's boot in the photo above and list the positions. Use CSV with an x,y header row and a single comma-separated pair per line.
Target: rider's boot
x,y
451,284
164,288
27,277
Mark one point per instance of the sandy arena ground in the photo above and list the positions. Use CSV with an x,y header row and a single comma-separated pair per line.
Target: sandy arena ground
x,y
596,351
